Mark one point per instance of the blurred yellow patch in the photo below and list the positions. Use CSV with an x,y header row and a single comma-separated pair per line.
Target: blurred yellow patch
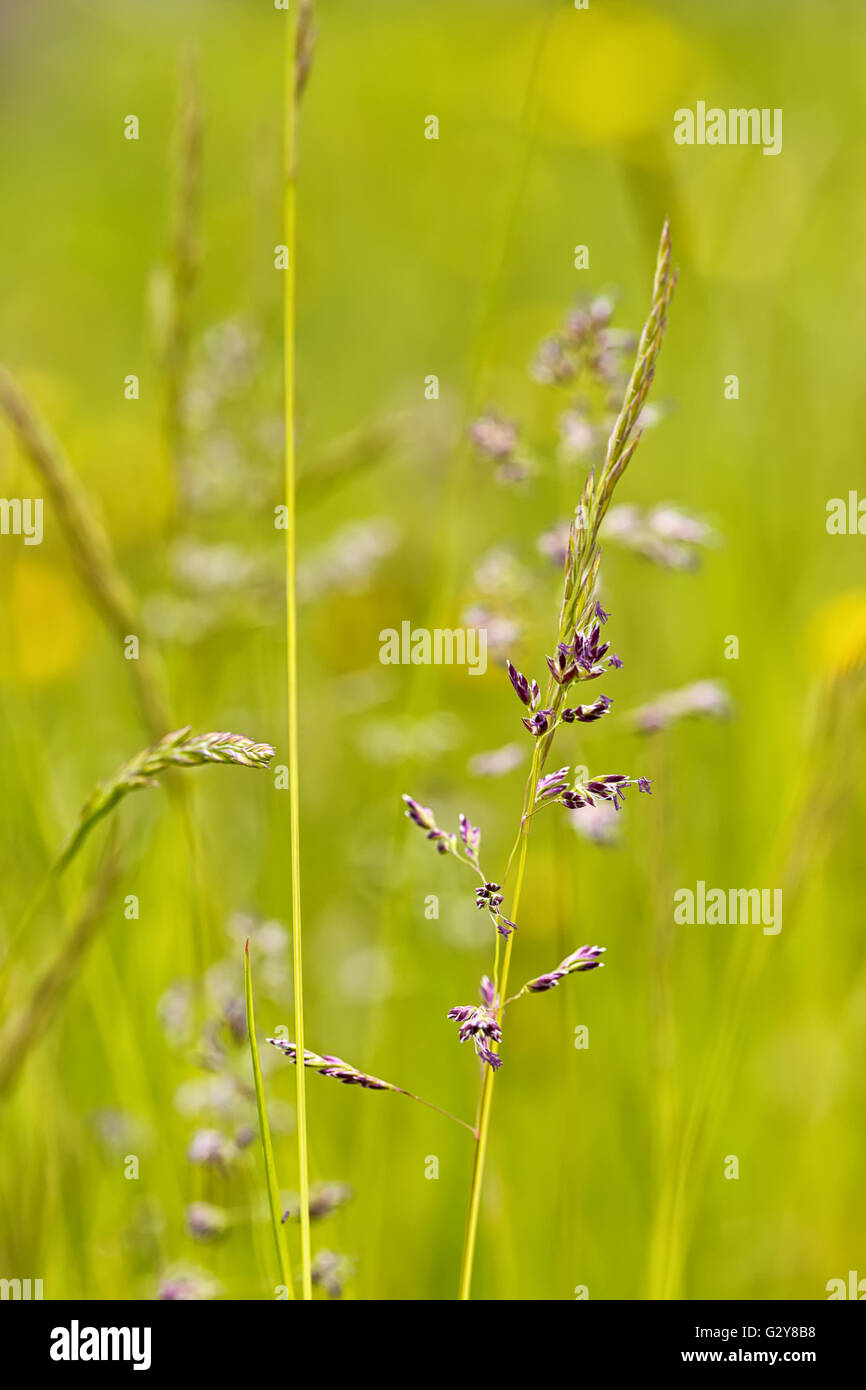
x,y
837,633
613,77
48,624
743,217
120,460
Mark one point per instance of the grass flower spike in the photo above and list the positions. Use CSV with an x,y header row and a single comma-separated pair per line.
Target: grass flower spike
x,y
176,750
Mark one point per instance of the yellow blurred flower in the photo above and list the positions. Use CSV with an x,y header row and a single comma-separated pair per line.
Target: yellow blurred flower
x,y
837,634
611,77
121,462
47,621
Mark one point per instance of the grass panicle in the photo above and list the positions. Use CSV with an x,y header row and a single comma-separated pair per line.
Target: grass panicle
x,y
339,1070
176,750
578,606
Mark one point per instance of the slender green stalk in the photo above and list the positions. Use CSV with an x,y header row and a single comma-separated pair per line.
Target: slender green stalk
x,y
292,74
486,1099
265,1135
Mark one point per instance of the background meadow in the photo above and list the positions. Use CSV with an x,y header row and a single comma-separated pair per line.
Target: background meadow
x,y
451,257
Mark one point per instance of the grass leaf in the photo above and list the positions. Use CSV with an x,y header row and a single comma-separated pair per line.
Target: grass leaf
x,y
265,1133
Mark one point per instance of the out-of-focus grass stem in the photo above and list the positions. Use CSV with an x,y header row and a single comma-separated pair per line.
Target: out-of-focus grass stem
x,y
91,549
183,266
31,1020
265,1135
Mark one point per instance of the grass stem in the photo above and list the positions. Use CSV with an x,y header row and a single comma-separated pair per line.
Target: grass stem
x,y
289,200
265,1134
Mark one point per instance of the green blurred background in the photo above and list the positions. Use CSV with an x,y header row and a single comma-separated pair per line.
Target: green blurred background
x,y
449,257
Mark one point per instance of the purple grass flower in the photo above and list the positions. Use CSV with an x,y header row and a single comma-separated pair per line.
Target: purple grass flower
x,y
334,1067
475,1022
553,784
325,1198
589,650
703,699
540,722
552,365
577,434
527,691
492,1059
610,787
205,1221
330,1271
489,896
479,1022
423,817
498,761
471,837
587,714
615,661
210,1149
562,665
185,1284
599,824
493,436
584,958
553,544
600,613
666,535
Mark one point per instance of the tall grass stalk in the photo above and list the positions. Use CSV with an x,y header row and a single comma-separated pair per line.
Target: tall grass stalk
x,y
265,1135
581,572
293,78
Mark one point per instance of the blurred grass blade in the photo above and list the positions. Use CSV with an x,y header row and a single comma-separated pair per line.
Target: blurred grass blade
x,y
265,1134
92,551
35,1016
